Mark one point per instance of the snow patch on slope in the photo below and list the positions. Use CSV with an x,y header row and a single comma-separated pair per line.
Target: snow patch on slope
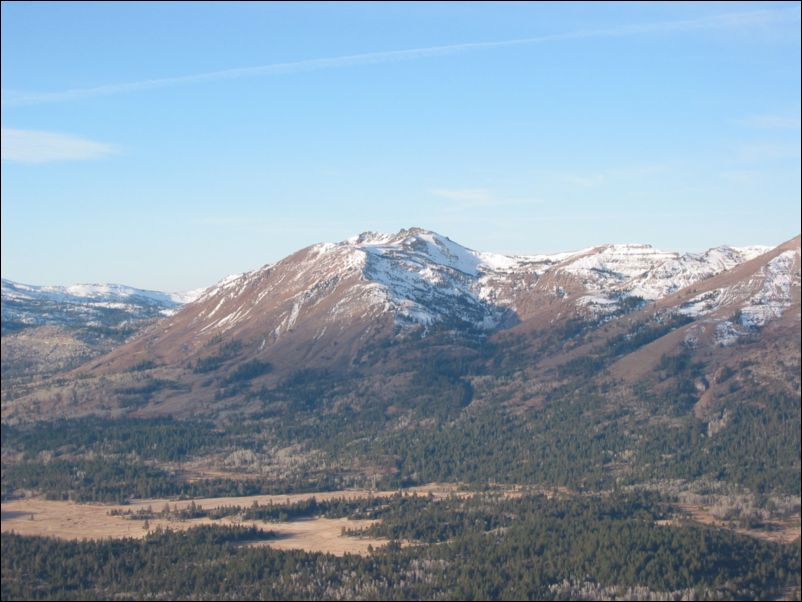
x,y
619,272
774,297
427,278
754,302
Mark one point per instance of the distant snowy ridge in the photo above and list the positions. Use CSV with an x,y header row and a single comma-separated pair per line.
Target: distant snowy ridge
x,y
90,304
81,293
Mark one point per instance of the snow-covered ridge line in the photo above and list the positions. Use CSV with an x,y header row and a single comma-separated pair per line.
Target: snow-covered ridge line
x,y
91,293
766,295
423,277
414,267
433,247
420,278
84,305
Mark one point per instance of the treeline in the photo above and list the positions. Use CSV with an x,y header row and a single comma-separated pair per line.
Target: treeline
x,y
89,480
371,507
149,438
118,481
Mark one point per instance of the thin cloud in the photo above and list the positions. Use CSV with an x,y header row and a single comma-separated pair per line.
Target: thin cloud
x,y
478,197
741,177
33,146
473,195
773,122
721,21
600,178
767,151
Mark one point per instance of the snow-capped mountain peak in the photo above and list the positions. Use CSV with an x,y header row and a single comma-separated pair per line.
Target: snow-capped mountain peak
x,y
421,278
331,303
376,285
419,246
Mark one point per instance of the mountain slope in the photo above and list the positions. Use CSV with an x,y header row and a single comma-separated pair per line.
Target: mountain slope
x,y
379,285
370,304
411,358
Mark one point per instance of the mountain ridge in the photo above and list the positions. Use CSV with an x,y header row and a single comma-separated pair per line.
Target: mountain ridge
x,y
344,306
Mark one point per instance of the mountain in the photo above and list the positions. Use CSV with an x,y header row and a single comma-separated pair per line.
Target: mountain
x,y
337,306
380,352
50,329
324,302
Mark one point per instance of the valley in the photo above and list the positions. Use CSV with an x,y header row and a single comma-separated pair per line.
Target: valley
x,y
401,301
646,397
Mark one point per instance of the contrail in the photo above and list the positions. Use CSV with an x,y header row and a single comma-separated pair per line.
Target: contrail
x,y
721,21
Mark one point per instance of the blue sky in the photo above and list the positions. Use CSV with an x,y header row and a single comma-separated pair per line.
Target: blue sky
x,y
166,145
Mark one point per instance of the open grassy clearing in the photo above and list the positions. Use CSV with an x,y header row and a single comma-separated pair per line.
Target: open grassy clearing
x,y
69,520
778,531
74,521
